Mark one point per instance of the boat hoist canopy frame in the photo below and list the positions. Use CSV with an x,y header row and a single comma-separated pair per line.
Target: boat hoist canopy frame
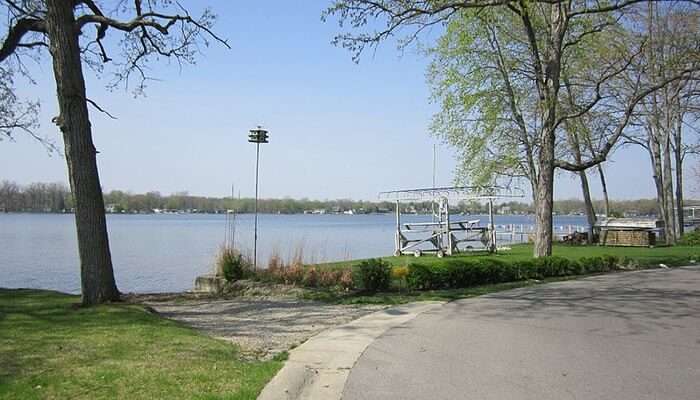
x,y
443,235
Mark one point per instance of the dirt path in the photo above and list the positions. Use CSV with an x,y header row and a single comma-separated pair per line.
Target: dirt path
x,y
262,326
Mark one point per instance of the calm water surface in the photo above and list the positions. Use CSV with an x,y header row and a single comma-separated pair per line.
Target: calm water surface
x,y
163,253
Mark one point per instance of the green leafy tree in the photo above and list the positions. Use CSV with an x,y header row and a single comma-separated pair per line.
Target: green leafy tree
x,y
545,32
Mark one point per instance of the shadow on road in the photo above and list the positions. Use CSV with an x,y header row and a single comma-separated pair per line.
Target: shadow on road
x,y
644,301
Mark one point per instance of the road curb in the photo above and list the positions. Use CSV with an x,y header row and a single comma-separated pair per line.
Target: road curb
x,y
319,368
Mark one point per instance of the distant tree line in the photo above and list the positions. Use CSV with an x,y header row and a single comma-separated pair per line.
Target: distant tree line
x,y
35,197
56,198
182,201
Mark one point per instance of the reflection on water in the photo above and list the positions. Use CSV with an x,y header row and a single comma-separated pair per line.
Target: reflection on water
x,y
162,253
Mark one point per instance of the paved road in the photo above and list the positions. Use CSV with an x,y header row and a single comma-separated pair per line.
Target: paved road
x,y
624,336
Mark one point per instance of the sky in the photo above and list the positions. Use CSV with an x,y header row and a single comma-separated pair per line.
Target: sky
x,y
337,129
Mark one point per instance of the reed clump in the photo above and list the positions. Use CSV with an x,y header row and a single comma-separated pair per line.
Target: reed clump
x,y
232,265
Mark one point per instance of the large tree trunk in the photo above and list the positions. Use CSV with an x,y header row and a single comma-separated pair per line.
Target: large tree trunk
x,y
678,153
543,212
585,187
590,211
601,173
575,143
97,276
655,156
668,190
604,186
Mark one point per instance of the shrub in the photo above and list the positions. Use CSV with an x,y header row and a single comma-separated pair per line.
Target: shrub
x,y
399,273
470,274
373,274
420,276
603,263
591,265
329,277
691,238
461,273
232,265
311,277
346,280
611,263
293,274
494,271
555,266
527,269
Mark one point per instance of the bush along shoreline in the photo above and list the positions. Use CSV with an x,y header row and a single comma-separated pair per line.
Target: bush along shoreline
x,y
459,274
377,275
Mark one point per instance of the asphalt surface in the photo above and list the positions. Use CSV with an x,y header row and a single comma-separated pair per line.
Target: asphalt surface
x,y
633,335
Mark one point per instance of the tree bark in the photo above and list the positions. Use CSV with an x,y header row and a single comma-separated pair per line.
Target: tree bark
x,y
655,156
543,211
97,276
590,211
668,190
575,143
548,90
604,186
678,152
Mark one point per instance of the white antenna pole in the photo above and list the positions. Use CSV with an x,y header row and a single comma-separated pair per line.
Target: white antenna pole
x,y
434,176
434,163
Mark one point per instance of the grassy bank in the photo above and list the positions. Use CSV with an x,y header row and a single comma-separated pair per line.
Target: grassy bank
x,y
49,349
474,274
523,252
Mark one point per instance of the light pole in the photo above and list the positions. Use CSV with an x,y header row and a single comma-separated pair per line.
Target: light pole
x,y
257,136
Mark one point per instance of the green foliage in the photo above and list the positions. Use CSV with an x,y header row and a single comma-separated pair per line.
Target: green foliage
x,y
423,277
457,273
232,265
476,115
431,274
373,275
691,238
592,265
555,266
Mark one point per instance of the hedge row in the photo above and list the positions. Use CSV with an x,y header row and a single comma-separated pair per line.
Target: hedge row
x,y
465,273
376,275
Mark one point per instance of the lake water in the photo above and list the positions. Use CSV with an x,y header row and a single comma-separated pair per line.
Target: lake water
x,y
164,253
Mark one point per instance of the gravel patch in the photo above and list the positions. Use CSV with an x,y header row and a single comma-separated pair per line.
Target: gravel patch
x,y
262,326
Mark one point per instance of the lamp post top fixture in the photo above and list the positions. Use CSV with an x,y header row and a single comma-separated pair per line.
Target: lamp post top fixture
x,y
258,135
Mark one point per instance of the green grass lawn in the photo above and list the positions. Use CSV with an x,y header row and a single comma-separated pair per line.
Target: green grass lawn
x,y
524,252
49,349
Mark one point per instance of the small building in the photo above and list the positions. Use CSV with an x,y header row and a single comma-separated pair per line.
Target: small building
x,y
629,231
